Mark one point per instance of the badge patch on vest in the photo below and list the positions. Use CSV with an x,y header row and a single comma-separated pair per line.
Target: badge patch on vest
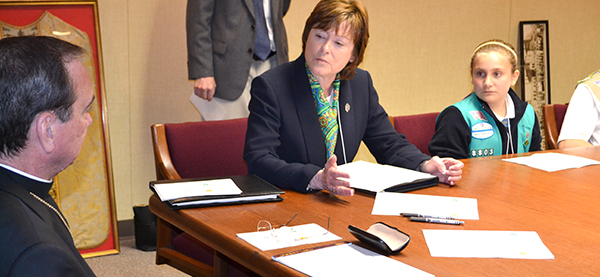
x,y
478,115
481,152
482,130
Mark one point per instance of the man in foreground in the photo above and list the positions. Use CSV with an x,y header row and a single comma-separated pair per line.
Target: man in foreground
x,y
45,97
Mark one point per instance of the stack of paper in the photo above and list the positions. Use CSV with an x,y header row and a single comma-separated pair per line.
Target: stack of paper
x,y
374,177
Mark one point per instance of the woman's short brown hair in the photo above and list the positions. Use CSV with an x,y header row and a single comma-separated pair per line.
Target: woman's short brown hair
x,y
330,14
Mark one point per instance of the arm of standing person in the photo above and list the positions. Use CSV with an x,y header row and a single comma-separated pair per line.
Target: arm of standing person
x,y
199,14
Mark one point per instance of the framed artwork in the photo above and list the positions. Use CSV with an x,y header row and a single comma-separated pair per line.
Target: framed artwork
x,y
535,66
84,191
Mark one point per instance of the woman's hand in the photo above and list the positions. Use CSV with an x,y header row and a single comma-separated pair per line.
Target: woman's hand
x,y
329,179
448,170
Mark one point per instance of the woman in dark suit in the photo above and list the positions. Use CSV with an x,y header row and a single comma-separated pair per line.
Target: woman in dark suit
x,y
310,114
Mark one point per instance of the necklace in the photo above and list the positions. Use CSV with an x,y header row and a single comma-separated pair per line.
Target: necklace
x,y
55,210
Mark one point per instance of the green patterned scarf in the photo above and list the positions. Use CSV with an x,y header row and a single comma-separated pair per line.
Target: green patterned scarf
x,y
327,113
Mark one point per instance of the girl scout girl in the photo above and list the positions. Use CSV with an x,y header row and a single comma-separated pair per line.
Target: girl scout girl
x,y
492,120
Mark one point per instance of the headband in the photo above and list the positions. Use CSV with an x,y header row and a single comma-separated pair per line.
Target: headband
x,y
497,43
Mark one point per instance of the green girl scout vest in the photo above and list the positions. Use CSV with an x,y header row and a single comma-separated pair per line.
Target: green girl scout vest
x,y
485,135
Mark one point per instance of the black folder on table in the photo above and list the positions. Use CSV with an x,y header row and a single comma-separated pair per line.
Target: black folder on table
x,y
254,190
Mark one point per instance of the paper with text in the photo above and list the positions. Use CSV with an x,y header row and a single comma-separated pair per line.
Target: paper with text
x,y
394,203
288,236
553,161
486,244
176,190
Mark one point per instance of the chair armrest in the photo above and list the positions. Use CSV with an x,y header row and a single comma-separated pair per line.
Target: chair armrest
x,y
162,158
550,128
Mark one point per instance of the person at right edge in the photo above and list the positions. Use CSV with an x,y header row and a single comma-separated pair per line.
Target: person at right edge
x,y
581,126
492,120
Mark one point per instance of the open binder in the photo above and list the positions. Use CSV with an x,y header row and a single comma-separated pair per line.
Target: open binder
x,y
253,190
373,178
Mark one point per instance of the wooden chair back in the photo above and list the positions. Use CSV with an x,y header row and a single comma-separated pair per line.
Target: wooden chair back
x,y
554,115
209,149
199,149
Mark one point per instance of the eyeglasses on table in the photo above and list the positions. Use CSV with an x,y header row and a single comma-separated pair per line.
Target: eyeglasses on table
x,y
283,232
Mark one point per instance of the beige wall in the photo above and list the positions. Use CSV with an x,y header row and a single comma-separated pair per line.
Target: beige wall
x,y
418,56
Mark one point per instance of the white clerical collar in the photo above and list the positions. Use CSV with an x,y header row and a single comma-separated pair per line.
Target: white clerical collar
x,y
25,174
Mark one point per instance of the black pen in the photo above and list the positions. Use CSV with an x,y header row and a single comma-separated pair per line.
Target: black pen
x,y
437,220
426,216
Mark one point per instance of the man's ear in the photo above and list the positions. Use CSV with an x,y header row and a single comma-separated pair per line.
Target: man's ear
x,y
45,125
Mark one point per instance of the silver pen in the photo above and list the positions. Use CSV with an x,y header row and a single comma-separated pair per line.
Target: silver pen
x,y
427,216
437,220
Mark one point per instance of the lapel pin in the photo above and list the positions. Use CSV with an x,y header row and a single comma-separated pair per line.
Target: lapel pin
x,y
347,107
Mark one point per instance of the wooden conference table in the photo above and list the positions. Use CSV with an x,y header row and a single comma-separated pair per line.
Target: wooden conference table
x,y
563,207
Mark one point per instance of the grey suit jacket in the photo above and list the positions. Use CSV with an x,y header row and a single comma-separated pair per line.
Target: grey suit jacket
x,y
220,41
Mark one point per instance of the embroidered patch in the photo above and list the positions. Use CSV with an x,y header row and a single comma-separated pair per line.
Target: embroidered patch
x,y
478,115
484,152
482,130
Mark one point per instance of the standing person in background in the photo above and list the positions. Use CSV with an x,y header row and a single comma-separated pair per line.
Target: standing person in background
x,y
229,43
45,97
307,113
492,120
581,126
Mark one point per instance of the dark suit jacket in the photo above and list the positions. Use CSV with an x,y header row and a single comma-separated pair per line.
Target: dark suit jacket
x,y
220,41
34,241
284,143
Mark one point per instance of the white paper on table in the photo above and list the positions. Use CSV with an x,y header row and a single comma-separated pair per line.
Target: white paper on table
x,y
176,190
486,244
378,177
553,161
288,236
347,260
394,203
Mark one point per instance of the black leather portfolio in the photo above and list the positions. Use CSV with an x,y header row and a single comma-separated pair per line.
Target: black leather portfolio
x,y
254,190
